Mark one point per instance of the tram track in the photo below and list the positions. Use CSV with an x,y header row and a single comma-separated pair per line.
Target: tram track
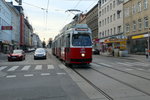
x,y
94,86
123,71
120,81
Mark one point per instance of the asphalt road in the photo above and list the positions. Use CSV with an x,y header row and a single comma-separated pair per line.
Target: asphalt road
x,y
37,80
107,78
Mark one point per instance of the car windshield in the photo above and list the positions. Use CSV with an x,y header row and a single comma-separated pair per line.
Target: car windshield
x,y
81,40
40,51
17,51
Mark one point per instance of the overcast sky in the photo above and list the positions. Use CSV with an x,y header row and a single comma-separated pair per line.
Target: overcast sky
x,y
48,24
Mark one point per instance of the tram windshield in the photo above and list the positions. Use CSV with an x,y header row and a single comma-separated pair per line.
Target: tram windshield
x,y
81,40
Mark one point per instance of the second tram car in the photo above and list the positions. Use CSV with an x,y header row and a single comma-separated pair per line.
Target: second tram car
x,y
74,44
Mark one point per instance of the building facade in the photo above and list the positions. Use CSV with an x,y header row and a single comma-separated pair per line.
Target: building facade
x,y
136,25
16,25
5,27
92,22
110,23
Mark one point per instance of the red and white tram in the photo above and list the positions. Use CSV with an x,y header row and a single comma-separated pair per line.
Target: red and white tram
x,y
74,44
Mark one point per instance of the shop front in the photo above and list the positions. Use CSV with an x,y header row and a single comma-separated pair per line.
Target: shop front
x,y
138,44
5,46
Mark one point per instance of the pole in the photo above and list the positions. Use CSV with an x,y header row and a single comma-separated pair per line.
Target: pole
x,y
148,43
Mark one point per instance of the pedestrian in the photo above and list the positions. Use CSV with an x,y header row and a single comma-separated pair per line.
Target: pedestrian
x,y
146,52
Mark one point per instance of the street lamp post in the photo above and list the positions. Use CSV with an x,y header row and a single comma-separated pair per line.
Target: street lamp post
x,y
148,43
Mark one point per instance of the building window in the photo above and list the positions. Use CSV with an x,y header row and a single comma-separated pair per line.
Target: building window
x,y
100,13
111,18
108,8
126,12
114,17
133,9
111,31
118,14
145,22
119,29
145,4
100,24
105,10
108,32
105,21
134,25
140,24
108,20
139,7
111,6
114,4
127,28
114,30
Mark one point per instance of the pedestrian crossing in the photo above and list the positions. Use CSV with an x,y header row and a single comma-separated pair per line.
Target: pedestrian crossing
x,y
26,68
29,68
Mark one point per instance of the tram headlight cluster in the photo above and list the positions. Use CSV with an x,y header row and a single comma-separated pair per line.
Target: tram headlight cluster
x,y
82,55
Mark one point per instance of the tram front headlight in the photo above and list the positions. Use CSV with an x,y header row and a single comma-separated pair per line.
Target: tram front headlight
x,y
83,55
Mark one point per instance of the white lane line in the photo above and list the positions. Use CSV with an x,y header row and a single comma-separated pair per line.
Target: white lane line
x,y
50,66
124,64
10,76
128,69
25,68
140,69
3,67
28,75
61,73
13,68
38,67
105,64
45,74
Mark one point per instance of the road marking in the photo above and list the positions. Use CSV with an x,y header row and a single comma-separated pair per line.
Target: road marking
x,y
140,69
50,66
28,75
61,73
3,67
124,64
26,68
10,76
105,64
61,66
128,69
45,74
38,67
13,68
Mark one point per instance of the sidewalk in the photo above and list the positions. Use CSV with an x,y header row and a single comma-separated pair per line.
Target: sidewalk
x,y
3,56
141,58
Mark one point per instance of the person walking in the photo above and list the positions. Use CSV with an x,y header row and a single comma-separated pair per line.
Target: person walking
x,y
146,52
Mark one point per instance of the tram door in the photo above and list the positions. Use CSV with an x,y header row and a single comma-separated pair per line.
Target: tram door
x,y
67,50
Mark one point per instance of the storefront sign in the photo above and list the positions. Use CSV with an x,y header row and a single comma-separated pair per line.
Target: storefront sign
x,y
6,27
139,36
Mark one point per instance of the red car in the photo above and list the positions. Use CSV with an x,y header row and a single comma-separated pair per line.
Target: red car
x,y
16,55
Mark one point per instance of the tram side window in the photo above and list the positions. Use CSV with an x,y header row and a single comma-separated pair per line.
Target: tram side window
x,y
68,41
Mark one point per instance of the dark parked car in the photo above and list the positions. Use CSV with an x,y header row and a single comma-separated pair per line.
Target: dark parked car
x,y
95,51
40,53
16,55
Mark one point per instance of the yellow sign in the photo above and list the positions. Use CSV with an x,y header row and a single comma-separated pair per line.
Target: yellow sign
x,y
138,36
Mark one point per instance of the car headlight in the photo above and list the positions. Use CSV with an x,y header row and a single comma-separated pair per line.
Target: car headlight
x,y
82,55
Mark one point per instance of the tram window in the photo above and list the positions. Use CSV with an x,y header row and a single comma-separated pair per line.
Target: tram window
x,y
68,41
81,40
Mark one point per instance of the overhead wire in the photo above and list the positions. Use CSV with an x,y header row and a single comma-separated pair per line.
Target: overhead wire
x,y
47,13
